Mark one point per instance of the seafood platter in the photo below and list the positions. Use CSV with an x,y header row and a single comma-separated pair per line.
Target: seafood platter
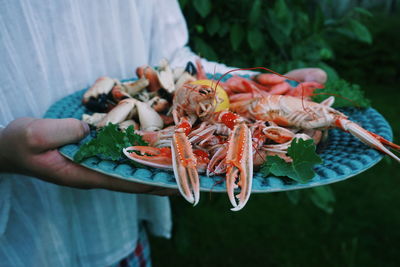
x,y
213,132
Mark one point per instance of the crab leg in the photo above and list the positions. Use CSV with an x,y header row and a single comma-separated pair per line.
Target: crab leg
x,y
217,164
239,160
150,156
161,157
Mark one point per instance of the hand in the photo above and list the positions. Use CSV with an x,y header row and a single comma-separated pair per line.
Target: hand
x,y
29,146
308,75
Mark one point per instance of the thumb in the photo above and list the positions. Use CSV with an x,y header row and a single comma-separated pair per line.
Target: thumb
x,y
45,134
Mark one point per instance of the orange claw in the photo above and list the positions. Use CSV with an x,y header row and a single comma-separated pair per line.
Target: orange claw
x,y
151,75
201,74
162,157
239,161
185,168
150,156
278,134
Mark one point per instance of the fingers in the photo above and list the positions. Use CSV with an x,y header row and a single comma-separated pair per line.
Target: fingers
x,y
30,148
45,134
308,75
59,170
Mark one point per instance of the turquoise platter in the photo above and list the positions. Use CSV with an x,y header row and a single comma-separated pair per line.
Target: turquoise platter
x,y
343,155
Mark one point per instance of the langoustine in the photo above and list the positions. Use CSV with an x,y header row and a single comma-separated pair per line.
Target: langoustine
x,y
255,126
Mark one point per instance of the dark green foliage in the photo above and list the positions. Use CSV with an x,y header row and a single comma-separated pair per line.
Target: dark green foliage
x,y
279,34
368,64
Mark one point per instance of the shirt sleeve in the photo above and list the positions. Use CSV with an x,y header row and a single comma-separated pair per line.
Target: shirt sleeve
x,y
171,33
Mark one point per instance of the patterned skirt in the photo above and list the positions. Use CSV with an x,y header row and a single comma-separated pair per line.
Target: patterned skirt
x,y
140,256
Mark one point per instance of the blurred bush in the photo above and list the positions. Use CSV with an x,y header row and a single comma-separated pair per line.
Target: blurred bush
x,y
279,34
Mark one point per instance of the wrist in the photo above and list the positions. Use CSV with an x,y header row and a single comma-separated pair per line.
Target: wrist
x,y
5,164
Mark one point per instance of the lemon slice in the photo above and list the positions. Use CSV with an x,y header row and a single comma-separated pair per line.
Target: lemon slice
x,y
221,94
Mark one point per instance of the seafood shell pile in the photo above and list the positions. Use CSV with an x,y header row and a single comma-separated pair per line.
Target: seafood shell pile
x,y
194,124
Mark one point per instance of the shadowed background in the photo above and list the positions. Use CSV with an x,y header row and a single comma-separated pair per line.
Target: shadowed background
x,y
351,223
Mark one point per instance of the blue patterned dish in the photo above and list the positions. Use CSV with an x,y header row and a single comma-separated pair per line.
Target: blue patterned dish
x,y
343,155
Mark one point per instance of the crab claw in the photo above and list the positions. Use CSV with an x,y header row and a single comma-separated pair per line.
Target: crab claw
x,y
239,161
150,74
217,164
185,168
278,134
150,156
367,137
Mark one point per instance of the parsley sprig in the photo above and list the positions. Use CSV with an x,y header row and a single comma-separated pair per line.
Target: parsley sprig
x,y
109,143
300,169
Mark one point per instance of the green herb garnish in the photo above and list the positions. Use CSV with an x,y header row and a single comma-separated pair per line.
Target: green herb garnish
x,y
109,143
345,93
301,168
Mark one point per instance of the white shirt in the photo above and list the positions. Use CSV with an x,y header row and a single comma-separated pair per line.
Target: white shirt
x,y
48,50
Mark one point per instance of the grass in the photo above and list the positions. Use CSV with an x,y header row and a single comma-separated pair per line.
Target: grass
x,y
363,230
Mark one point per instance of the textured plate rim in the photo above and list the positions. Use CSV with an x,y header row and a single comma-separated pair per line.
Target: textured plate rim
x,y
218,190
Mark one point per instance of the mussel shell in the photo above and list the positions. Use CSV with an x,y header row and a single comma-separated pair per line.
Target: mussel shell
x,y
191,68
98,104
165,94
